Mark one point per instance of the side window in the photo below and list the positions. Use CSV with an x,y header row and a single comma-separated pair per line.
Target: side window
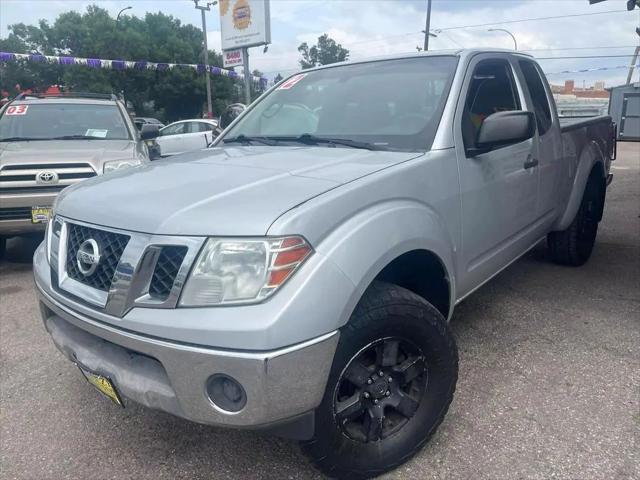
x,y
174,129
196,127
492,89
538,96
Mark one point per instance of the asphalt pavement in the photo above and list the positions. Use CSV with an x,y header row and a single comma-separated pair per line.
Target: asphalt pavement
x,y
549,382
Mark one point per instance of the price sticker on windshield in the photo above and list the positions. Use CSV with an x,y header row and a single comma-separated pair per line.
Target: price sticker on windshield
x,y
17,110
292,81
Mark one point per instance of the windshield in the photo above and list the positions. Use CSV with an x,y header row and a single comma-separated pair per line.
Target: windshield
x,y
58,120
391,104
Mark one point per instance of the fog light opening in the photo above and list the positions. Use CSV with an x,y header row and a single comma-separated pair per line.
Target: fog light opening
x,y
226,393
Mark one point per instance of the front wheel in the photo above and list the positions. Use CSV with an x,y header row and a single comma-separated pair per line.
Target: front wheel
x,y
391,383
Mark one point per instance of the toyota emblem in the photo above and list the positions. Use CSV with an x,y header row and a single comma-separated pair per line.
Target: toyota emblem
x,y
47,177
88,257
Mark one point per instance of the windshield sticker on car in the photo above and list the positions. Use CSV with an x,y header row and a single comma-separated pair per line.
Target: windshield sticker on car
x,y
292,81
17,110
94,132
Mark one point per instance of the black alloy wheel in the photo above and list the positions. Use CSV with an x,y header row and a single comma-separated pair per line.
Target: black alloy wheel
x,y
380,389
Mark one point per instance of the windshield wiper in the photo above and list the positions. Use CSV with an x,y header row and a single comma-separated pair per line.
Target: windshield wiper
x,y
309,139
76,137
21,139
244,139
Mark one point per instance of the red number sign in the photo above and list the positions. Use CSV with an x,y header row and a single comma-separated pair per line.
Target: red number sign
x,y
17,110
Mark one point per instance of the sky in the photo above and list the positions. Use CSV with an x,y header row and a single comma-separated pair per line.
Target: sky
x,y
377,27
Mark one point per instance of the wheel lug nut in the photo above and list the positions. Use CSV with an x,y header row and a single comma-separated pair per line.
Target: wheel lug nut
x,y
387,393
367,394
369,382
381,373
376,401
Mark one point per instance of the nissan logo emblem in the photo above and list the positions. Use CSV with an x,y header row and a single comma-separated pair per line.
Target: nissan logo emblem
x,y
88,257
47,176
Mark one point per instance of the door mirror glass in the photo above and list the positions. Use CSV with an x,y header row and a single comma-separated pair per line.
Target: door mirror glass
x,y
149,132
505,128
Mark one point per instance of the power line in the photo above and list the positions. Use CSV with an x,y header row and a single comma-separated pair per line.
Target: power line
x,y
532,19
506,22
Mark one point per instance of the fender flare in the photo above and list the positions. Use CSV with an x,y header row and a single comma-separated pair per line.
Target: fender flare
x,y
591,156
373,230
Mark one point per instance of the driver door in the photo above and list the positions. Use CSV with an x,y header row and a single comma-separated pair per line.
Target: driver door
x,y
499,188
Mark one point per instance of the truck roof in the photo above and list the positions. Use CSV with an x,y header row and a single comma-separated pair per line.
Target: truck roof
x,y
78,98
459,52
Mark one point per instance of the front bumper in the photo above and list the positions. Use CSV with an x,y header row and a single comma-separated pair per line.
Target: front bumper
x,y
23,226
280,384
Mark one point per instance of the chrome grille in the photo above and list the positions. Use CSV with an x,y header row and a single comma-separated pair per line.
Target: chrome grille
x,y
111,246
164,275
17,178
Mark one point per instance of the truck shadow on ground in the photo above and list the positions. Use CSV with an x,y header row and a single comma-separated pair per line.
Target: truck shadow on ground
x,y
20,250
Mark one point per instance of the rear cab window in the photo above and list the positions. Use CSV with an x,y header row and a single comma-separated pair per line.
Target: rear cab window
x,y
538,95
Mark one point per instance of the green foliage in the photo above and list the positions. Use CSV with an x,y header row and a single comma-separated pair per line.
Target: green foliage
x,y
178,93
326,51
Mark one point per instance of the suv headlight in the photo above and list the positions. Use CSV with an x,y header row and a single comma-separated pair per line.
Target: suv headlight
x,y
113,165
241,270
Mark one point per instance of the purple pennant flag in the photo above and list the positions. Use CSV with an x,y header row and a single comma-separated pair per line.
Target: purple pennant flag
x,y
215,70
67,60
118,64
5,56
37,58
141,65
233,74
94,63
162,67
200,68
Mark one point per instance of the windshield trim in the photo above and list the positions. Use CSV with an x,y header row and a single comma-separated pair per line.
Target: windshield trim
x,y
446,92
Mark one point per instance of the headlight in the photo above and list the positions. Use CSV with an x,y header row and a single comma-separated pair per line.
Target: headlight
x,y
235,270
114,165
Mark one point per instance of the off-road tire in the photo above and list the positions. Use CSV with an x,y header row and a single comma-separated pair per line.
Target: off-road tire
x,y
574,245
385,311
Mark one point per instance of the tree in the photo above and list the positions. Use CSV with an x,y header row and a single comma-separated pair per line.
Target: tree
x,y
326,51
172,94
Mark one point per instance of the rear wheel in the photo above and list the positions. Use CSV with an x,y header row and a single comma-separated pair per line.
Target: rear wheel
x,y
3,246
391,383
574,245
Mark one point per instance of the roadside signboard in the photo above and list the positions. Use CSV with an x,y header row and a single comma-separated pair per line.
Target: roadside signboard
x,y
244,23
232,58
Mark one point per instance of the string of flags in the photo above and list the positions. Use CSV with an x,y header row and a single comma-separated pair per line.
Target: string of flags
x,y
122,64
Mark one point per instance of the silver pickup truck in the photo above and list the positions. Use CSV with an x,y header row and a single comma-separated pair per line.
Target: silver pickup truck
x,y
299,275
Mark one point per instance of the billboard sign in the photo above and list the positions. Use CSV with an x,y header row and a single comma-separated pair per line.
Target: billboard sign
x,y
232,58
244,23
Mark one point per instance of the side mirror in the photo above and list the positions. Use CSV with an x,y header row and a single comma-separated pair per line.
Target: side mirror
x,y
232,112
504,128
149,132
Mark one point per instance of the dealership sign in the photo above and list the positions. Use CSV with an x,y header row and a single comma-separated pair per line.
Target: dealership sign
x,y
244,23
232,58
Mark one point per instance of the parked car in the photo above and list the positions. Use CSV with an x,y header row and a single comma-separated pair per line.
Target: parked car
x,y
141,121
48,142
299,275
186,135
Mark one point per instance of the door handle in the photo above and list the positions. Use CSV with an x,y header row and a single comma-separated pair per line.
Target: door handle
x,y
530,163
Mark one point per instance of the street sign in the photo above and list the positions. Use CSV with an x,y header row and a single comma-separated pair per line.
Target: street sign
x,y
232,58
244,23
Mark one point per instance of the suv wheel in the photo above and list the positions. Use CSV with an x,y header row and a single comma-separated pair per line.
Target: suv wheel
x,y
391,383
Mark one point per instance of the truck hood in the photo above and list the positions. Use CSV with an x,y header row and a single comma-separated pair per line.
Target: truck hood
x,y
94,152
218,191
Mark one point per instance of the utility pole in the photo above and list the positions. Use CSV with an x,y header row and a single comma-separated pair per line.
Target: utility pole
x,y
247,76
207,74
427,26
632,67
